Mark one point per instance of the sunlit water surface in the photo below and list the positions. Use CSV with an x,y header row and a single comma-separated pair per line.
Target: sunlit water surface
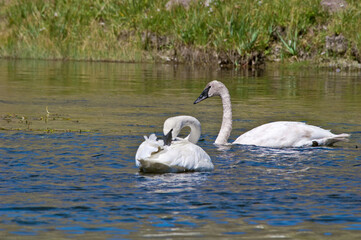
x,y
69,133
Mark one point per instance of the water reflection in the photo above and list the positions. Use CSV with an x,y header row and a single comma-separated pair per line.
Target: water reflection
x,y
170,182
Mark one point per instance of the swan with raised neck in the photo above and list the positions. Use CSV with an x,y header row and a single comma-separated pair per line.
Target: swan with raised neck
x,y
216,88
274,134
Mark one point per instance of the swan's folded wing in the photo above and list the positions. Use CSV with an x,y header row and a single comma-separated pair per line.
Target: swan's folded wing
x,y
186,156
147,148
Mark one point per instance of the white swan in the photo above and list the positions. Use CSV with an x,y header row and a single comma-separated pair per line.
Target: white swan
x,y
174,154
274,134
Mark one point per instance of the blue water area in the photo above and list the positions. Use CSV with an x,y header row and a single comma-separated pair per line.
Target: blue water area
x,y
77,184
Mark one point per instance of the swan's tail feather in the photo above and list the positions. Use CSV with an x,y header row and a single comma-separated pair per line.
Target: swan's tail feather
x,y
337,138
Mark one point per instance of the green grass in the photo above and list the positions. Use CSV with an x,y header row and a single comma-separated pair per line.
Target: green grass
x,y
129,30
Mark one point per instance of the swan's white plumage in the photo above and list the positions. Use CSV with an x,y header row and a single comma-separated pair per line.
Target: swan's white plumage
x,y
288,134
275,134
180,156
150,146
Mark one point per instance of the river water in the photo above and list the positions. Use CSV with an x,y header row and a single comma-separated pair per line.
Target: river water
x,y
69,132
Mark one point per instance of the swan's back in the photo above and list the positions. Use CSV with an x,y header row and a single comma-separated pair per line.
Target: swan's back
x,y
180,156
183,156
289,134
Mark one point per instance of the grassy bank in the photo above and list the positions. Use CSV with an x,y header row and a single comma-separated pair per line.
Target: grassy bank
x,y
229,33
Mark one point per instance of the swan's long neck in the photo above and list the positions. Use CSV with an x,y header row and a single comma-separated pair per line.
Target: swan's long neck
x,y
176,124
226,127
195,133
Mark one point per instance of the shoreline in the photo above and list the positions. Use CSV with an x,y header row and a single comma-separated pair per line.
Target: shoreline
x,y
338,64
210,33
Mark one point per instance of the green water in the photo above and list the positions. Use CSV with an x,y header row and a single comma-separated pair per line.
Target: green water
x,y
129,98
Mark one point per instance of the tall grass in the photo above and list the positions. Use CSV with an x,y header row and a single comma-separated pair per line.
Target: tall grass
x,y
114,30
348,23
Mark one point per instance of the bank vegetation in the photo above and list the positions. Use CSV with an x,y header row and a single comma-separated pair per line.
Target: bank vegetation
x,y
227,33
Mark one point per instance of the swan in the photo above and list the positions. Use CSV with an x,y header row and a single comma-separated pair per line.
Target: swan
x,y
174,154
278,134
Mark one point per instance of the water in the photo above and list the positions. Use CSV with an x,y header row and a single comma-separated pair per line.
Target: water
x,y
70,172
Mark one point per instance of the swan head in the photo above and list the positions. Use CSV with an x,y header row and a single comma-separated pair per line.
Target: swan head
x,y
174,125
167,138
214,88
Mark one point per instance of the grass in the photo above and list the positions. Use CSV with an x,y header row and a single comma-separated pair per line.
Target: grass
x,y
290,45
142,30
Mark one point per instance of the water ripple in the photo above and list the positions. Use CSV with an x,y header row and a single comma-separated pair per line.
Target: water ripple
x,y
75,181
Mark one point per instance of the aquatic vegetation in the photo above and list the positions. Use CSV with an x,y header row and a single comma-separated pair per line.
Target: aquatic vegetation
x,y
19,122
222,32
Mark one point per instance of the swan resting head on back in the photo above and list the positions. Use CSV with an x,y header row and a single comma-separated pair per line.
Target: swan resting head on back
x,y
174,154
275,134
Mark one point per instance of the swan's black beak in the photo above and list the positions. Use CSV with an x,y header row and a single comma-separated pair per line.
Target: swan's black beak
x,y
167,139
204,95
